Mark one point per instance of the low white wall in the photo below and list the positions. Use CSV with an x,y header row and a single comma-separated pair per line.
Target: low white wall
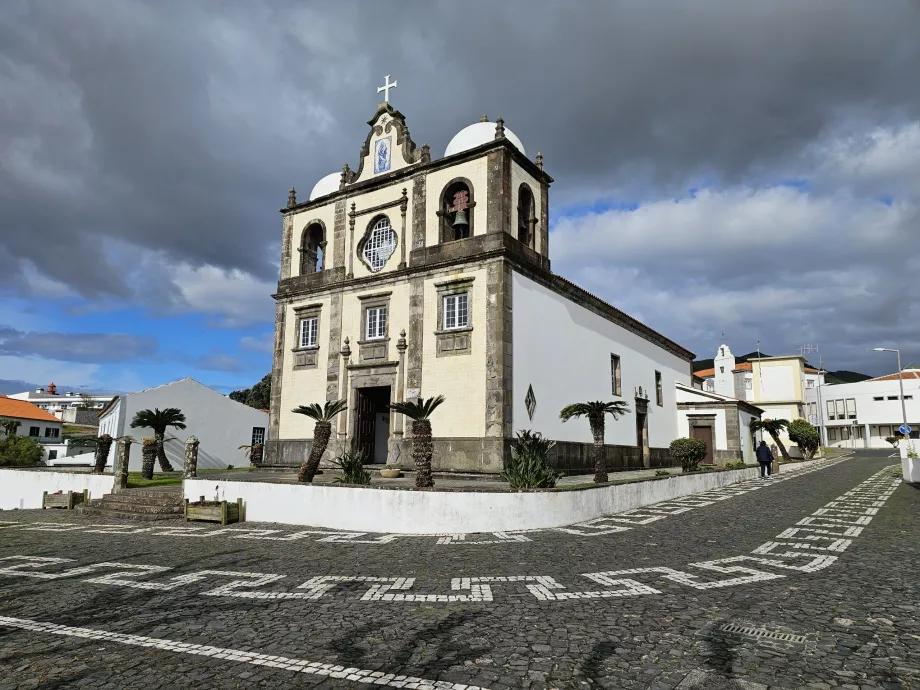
x,y
23,488
434,512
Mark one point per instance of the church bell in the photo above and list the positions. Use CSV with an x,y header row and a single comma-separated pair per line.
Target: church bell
x,y
460,219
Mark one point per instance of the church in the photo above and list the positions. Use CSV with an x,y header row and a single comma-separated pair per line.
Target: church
x,y
412,276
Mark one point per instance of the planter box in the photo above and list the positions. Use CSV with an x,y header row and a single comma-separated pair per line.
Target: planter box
x,y
66,501
390,473
910,469
214,511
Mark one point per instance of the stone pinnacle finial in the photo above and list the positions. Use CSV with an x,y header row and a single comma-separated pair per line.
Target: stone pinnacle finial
x,y
484,118
345,175
426,153
401,343
346,349
292,198
499,128
540,160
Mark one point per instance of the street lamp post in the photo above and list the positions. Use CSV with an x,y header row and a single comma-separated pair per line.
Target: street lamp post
x,y
900,382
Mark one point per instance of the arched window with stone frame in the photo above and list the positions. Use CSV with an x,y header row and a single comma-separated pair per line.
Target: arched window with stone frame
x,y
312,247
527,220
456,210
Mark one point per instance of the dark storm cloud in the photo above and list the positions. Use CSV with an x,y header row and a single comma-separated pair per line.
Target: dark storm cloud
x,y
76,347
176,128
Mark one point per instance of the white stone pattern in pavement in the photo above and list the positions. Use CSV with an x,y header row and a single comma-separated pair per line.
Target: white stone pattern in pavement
x,y
621,522
811,545
237,656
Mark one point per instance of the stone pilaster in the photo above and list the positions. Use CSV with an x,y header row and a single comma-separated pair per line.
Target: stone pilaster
x,y
122,456
544,219
335,339
416,337
287,244
401,346
338,235
419,201
351,242
403,207
274,411
190,469
498,183
343,391
499,392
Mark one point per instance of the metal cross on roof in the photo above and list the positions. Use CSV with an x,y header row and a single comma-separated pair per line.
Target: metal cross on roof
x,y
386,89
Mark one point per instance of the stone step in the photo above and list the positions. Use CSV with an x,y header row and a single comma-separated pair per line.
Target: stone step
x,y
166,491
129,507
93,511
167,500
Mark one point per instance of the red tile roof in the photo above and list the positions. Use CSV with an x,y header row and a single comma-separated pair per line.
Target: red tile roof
x,y
20,409
907,374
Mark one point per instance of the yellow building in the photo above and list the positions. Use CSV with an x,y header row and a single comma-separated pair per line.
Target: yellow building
x,y
412,277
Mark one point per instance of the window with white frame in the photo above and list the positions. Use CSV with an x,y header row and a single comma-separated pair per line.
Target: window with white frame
x,y
376,320
830,410
34,431
456,311
831,434
810,383
841,409
616,383
258,435
52,433
308,331
851,408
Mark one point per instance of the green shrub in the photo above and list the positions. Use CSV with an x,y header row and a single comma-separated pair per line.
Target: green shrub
x,y
528,467
689,452
735,465
21,451
351,462
893,440
805,436
661,473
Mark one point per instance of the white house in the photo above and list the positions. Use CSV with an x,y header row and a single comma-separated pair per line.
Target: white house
x,y
221,424
863,414
721,421
414,276
49,399
36,423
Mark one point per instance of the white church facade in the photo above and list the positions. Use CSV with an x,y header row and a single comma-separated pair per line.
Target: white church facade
x,y
413,277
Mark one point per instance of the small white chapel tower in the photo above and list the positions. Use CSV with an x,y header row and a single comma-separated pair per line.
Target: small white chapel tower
x,y
724,364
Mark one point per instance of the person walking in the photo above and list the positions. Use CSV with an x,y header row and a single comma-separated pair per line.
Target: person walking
x,y
765,458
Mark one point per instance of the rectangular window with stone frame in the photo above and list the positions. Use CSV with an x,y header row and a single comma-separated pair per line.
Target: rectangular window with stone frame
x,y
453,331
306,349
659,392
616,383
375,327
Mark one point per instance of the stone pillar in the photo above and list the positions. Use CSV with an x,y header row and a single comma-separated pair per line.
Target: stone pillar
x,y
191,458
403,207
351,242
122,455
867,441
401,346
343,390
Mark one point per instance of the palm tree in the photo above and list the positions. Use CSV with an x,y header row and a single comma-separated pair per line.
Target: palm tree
x,y
596,411
158,420
149,454
321,432
419,412
9,426
103,446
773,427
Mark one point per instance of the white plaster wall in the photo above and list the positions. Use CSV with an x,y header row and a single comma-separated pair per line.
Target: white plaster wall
x,y
221,424
777,383
460,378
563,351
720,435
748,450
476,171
23,489
520,176
364,222
303,386
455,512
326,214
43,426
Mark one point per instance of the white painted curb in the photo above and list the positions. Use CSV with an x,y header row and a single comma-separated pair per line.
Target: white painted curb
x,y
23,488
454,512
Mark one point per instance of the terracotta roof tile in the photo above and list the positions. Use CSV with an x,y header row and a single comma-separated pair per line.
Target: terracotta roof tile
x,y
909,374
20,409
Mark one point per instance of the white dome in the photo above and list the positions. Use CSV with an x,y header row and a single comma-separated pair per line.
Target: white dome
x,y
327,185
478,134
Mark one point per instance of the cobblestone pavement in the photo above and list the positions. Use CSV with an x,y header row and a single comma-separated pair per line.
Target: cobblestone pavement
x,y
807,582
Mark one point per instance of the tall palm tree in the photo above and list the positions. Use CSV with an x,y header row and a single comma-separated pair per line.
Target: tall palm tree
x,y
158,420
596,411
321,432
419,412
774,427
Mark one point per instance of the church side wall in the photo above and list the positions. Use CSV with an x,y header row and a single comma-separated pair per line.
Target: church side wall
x,y
476,172
303,386
460,378
324,214
563,350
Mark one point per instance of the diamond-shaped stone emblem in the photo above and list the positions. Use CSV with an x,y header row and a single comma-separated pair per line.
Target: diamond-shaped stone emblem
x,y
530,402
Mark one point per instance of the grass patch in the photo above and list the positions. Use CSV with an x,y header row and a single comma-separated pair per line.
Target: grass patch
x,y
136,481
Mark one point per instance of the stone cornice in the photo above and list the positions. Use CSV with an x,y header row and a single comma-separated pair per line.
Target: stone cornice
x,y
410,171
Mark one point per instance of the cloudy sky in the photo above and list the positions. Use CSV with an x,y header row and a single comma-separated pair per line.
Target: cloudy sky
x,y
747,167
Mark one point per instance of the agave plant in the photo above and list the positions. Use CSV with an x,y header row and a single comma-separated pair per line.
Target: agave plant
x,y
351,462
419,411
528,467
158,420
321,432
774,427
596,411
